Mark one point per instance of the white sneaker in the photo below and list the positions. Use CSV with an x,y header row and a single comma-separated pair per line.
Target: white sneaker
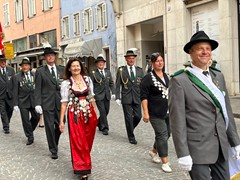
x,y
166,168
154,157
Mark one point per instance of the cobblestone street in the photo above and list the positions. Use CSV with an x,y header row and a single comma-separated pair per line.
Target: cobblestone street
x,y
113,157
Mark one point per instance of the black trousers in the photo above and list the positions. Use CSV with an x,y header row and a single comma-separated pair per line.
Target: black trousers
x,y
103,107
51,122
6,113
29,124
217,171
132,115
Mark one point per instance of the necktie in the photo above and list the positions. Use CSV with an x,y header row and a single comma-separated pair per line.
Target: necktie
x,y
102,74
131,74
206,73
28,79
4,73
53,73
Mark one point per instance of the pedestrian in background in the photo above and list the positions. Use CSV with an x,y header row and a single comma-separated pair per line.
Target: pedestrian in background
x,y
6,95
47,98
154,97
103,87
78,100
201,118
128,81
23,89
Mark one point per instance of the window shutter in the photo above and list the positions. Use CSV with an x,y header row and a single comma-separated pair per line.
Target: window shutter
x,y
43,3
16,12
34,7
96,17
29,12
84,23
104,8
20,11
50,4
62,30
74,24
91,19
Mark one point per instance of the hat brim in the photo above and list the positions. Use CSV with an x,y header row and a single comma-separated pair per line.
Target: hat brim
x,y
100,60
130,55
24,63
49,53
187,47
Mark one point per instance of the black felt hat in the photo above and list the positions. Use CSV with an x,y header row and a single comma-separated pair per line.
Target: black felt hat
x,y
130,53
100,58
200,36
49,50
25,61
2,56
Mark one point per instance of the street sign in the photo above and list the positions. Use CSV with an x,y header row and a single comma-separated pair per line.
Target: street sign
x,y
9,50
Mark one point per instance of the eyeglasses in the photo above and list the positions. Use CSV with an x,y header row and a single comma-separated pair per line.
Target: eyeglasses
x,y
154,55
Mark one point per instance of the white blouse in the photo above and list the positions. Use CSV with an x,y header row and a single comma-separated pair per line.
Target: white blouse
x,y
65,88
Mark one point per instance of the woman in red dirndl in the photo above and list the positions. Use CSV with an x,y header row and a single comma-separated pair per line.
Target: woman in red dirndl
x,y
77,100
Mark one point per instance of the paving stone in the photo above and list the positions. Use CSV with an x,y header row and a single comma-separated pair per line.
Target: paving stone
x,y
113,157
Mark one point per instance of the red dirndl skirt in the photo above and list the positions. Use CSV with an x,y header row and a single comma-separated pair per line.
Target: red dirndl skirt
x,y
81,136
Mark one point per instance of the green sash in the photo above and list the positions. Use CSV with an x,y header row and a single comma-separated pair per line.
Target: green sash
x,y
201,85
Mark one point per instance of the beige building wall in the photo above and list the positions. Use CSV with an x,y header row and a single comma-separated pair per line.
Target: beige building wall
x,y
43,21
177,31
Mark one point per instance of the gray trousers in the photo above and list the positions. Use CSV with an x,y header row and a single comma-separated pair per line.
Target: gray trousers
x,y
162,133
217,171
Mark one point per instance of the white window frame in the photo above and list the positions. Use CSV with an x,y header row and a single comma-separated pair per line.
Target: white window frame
x,y
101,16
31,8
87,20
47,5
18,11
65,27
6,14
76,24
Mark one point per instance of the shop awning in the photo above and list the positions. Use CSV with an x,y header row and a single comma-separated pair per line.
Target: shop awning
x,y
84,48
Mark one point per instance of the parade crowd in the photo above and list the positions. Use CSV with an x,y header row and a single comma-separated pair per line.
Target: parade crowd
x,y
192,106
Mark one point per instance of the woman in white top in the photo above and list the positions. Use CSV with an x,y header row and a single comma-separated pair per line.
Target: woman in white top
x,y
78,99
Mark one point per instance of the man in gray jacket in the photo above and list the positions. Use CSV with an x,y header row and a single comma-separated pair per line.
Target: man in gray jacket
x,y
48,80
103,83
201,117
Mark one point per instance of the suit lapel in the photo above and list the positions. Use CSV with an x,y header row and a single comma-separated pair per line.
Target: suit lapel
x,y
125,71
23,79
1,77
49,75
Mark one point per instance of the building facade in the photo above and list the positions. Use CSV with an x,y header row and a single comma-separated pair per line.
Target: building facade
x,y
30,25
88,29
167,25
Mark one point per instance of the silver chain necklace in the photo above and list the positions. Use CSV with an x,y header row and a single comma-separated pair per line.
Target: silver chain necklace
x,y
160,86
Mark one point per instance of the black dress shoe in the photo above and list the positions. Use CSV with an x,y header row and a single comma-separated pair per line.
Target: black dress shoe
x,y
29,142
105,132
41,126
6,131
54,156
133,141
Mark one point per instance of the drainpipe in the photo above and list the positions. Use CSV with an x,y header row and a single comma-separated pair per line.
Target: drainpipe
x,y
238,11
165,38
